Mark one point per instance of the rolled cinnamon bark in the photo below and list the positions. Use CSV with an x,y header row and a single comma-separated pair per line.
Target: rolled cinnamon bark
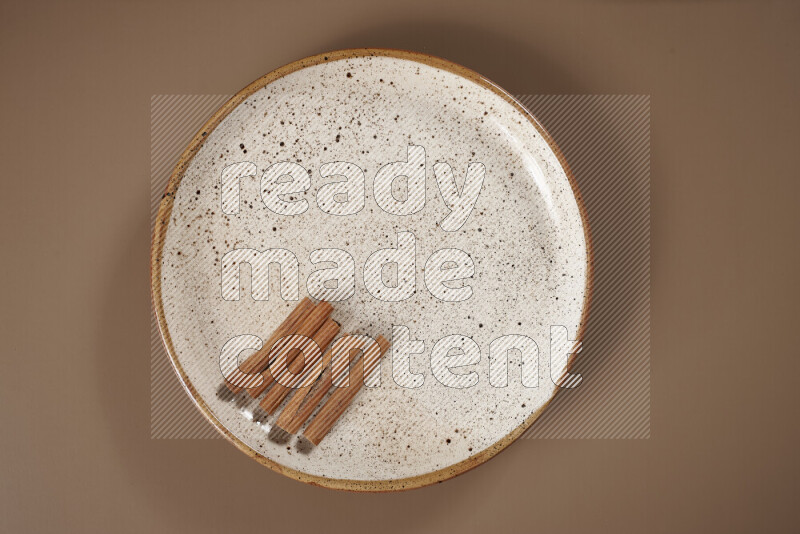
x,y
301,370
259,361
296,412
342,396
307,328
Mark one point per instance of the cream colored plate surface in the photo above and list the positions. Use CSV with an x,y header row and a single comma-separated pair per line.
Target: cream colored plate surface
x,y
525,235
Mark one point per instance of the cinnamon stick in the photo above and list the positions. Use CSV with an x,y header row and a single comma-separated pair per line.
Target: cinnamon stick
x,y
296,412
307,328
259,361
341,398
300,369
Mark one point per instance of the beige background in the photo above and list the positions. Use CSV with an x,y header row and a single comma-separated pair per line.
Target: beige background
x,y
74,393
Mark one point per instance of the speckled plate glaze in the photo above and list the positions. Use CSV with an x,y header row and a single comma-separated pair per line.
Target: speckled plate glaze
x,y
527,236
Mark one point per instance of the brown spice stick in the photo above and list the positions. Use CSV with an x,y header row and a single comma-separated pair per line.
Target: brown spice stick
x,y
258,361
296,412
307,328
341,398
300,368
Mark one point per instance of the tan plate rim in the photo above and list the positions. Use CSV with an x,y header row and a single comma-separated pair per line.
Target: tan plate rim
x,y
162,223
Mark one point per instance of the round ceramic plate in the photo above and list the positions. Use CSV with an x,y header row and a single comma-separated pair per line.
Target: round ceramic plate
x,y
433,166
